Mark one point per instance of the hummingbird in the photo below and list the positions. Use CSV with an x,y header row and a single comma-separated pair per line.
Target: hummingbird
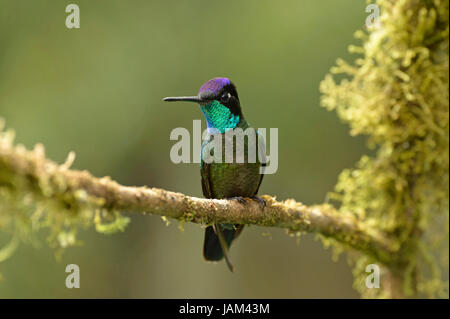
x,y
220,105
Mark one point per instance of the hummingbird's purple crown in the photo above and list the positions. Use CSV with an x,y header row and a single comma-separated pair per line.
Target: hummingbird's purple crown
x,y
214,85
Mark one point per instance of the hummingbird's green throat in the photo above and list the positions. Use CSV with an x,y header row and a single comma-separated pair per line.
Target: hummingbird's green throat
x,y
219,117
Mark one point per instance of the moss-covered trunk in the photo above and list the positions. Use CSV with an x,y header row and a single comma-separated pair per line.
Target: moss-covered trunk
x,y
397,94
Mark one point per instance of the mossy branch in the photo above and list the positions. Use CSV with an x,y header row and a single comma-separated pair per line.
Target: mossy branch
x,y
73,188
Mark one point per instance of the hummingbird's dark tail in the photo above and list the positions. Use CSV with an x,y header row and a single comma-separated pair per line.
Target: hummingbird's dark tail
x,y
218,240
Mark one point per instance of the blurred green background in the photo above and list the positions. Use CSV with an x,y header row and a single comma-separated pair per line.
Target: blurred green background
x,y
97,91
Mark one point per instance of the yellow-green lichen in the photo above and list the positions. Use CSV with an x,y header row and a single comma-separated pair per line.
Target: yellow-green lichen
x,y
397,95
42,201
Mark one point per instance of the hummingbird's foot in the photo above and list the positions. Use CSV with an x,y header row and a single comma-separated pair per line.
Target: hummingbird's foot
x,y
260,201
240,199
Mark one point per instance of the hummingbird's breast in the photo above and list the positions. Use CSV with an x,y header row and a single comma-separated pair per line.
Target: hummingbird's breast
x,y
237,173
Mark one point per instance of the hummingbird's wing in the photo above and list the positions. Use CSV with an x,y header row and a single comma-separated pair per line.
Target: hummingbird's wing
x,y
205,169
263,159
206,182
260,180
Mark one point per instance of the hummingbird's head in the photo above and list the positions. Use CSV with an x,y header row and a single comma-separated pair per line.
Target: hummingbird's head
x,y
219,103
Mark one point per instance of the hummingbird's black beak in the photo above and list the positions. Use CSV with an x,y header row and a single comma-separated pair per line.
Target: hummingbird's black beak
x,y
196,99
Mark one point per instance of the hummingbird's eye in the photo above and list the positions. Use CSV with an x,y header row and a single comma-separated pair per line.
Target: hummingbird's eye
x,y
225,97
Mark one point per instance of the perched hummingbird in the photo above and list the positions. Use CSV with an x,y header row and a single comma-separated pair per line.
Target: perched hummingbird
x,y
221,108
